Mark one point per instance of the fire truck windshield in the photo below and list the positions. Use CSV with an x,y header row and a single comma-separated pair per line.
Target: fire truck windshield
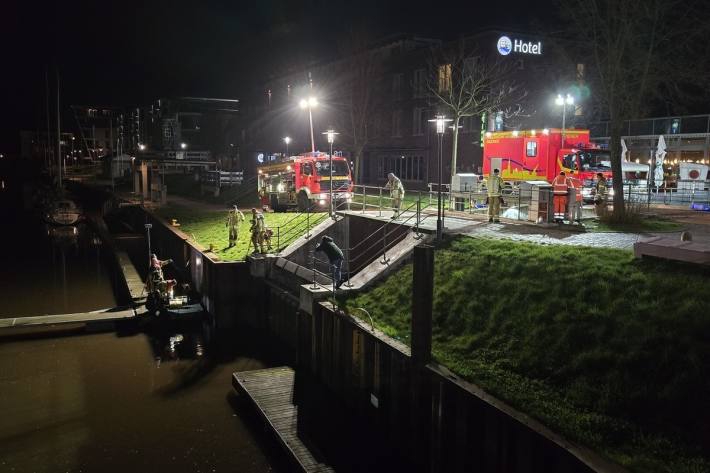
x,y
588,160
340,168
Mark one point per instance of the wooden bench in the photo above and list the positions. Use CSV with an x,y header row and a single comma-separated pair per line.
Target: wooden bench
x,y
673,249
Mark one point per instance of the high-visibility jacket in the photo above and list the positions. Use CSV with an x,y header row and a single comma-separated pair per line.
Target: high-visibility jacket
x,y
560,185
494,185
576,184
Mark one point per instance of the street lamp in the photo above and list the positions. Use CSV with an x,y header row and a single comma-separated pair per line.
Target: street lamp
x,y
331,138
568,100
441,122
287,140
141,146
183,145
310,104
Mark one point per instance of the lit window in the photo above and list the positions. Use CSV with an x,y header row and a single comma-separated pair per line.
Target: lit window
x,y
531,149
444,78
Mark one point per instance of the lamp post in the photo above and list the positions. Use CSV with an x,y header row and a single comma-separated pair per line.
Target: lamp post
x,y
310,104
564,101
183,145
287,140
441,122
331,138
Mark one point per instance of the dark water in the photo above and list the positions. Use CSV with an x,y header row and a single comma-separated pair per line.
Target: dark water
x,y
145,402
155,396
46,269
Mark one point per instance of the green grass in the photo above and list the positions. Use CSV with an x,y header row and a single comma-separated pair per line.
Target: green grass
x,y
208,228
609,351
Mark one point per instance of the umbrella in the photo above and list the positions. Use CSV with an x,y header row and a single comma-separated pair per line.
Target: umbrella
x,y
660,155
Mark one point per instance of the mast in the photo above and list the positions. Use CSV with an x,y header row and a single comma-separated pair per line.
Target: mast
x,y
59,137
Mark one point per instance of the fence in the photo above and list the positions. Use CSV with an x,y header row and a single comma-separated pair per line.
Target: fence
x,y
222,178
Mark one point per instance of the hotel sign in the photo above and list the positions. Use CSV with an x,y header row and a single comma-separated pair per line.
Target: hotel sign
x,y
506,46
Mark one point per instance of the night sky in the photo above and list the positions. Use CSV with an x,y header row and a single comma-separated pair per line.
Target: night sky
x,y
128,52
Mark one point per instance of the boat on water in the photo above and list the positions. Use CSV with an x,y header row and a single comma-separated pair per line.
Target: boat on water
x,y
65,212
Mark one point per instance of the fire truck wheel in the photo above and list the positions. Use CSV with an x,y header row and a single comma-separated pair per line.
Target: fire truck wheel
x,y
303,202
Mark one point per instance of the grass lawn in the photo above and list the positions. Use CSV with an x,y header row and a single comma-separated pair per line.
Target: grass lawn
x,y
607,350
208,227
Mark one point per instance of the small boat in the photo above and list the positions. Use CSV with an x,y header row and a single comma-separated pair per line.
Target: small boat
x,y
65,213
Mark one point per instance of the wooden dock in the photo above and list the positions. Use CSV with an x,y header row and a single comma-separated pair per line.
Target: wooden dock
x,y
272,393
133,280
104,315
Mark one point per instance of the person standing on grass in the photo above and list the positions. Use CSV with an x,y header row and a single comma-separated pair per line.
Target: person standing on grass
x,y
494,185
600,193
394,184
234,217
335,258
257,231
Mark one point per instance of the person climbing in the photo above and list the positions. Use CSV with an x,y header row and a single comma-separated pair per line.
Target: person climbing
x,y
335,258
234,217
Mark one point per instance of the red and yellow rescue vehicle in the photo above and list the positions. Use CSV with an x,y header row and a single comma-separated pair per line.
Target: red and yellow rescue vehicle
x,y
524,155
304,181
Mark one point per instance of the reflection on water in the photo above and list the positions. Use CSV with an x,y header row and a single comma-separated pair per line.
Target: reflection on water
x,y
150,399
53,270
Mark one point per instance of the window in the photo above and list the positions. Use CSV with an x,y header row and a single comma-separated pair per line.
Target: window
x,y
419,84
419,121
531,149
407,168
397,123
397,86
444,75
306,169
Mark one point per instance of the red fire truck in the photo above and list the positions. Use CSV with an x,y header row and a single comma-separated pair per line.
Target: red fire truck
x,y
540,155
304,181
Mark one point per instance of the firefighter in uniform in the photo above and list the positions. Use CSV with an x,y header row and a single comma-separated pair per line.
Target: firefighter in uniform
x,y
575,206
600,194
494,185
234,217
394,184
156,279
560,190
257,231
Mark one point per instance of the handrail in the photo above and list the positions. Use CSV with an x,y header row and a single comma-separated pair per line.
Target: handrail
x,y
372,322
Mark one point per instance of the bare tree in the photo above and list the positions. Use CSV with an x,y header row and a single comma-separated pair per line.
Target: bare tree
x,y
637,51
465,84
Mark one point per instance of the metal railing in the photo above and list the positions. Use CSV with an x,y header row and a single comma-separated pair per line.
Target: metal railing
x,y
296,227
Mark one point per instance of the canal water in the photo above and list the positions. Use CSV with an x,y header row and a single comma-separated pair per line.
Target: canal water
x,y
155,399
152,396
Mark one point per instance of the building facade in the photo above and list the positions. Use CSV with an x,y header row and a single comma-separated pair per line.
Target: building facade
x,y
397,104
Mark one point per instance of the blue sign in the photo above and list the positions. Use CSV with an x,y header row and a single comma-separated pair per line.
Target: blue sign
x,y
505,45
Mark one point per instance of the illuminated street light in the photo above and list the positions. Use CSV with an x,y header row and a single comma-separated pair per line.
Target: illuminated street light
x,y
331,139
563,102
141,146
310,104
440,122
183,145
287,140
